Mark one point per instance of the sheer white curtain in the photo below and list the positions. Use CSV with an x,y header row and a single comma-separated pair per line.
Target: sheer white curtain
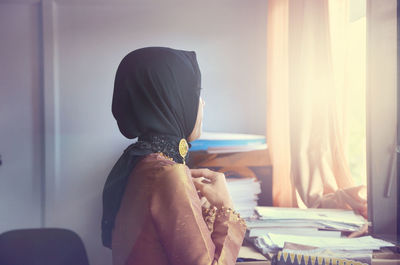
x,y
306,114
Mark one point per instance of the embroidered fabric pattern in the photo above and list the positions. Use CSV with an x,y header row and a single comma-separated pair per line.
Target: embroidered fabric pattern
x,y
212,213
166,157
231,214
209,215
165,144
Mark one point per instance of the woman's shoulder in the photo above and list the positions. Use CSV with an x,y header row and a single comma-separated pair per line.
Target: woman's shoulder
x,y
162,168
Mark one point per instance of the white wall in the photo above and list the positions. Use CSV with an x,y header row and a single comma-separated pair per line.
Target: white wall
x,y
83,43
21,146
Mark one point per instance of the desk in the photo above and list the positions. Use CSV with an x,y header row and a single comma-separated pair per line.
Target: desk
x,y
247,251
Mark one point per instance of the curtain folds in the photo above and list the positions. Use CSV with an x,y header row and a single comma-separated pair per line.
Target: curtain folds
x,y
306,114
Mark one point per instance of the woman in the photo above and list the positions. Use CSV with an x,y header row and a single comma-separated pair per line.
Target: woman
x,y
153,211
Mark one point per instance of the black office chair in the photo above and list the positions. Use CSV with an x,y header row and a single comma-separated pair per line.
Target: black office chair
x,y
42,246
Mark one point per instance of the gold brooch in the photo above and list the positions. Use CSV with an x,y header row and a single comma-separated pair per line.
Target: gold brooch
x,y
183,149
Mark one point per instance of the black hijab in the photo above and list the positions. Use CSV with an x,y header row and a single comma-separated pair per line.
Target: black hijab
x,y
156,97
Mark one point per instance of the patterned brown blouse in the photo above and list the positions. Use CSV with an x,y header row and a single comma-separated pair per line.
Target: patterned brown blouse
x,y
161,220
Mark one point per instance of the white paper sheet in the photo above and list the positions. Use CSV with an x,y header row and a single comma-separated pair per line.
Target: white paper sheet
x,y
344,243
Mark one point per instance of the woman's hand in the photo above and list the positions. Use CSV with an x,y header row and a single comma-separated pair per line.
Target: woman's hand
x,y
212,185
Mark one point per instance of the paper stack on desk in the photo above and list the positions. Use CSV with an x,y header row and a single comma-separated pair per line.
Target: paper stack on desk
x,y
295,221
329,219
274,242
244,193
312,227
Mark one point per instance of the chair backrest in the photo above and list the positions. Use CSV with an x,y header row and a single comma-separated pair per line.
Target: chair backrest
x,y
42,246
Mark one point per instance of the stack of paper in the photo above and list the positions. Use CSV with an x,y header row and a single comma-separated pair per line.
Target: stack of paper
x,y
312,227
328,219
274,242
244,192
228,142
